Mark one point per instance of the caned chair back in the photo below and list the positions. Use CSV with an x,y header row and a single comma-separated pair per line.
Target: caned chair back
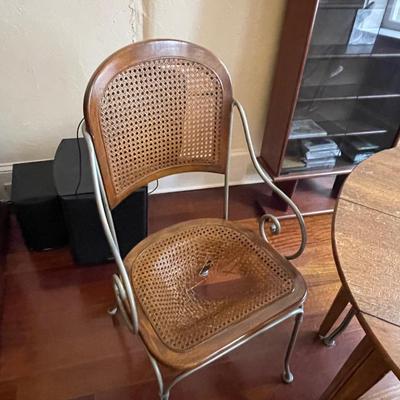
x,y
157,108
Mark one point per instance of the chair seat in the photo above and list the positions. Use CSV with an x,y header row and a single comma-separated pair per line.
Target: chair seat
x,y
203,284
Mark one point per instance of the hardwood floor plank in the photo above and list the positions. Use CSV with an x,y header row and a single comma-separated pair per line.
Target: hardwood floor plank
x,y
57,341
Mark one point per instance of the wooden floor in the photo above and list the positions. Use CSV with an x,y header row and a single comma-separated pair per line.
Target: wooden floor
x,y
57,342
245,202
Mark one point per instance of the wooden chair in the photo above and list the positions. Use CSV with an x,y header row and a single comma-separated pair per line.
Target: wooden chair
x,y
197,290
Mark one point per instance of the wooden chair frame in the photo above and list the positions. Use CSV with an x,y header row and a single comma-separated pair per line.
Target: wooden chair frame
x,y
125,298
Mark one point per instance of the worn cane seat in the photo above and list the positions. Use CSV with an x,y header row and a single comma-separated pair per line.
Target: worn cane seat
x,y
202,284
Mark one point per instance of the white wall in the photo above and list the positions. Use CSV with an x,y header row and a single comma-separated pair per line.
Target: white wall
x,y
48,51
245,35
49,48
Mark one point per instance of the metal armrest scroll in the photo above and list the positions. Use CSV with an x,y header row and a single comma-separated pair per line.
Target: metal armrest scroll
x,y
275,225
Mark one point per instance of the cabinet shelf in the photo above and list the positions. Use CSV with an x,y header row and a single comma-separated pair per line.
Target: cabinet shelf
x,y
337,6
344,92
342,166
337,129
341,4
353,51
350,91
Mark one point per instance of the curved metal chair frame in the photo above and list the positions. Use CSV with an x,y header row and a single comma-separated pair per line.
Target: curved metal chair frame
x,y
125,298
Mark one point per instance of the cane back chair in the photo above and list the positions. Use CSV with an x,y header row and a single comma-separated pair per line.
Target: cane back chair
x,y
196,290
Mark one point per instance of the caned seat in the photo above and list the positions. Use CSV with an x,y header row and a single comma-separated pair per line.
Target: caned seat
x,y
202,284
196,290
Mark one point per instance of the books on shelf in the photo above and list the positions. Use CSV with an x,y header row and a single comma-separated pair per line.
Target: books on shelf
x,y
320,144
293,162
305,128
312,155
322,163
321,153
361,157
307,154
358,149
366,26
361,144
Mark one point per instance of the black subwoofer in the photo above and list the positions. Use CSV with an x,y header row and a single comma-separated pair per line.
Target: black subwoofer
x,y
37,206
74,186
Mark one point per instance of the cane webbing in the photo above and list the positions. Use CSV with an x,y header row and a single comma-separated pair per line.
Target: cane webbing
x,y
165,277
159,114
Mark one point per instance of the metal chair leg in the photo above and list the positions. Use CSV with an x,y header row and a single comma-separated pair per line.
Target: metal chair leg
x,y
329,340
164,395
287,375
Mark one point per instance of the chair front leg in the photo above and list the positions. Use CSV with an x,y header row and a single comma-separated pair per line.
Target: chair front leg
x,y
287,375
165,396
164,393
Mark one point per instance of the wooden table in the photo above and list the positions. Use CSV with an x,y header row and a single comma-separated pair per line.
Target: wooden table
x,y
366,246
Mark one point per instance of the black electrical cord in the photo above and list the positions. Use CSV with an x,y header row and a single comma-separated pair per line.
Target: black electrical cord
x,y
80,155
80,160
156,187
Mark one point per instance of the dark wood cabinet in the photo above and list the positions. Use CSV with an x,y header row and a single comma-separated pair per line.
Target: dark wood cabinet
x,y
336,93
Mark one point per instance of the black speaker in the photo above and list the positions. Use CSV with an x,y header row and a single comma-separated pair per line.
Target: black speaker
x,y
37,206
86,236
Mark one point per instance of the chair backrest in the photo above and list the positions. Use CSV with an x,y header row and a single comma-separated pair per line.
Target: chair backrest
x,y
157,108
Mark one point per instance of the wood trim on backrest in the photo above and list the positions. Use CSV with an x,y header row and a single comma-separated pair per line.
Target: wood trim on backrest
x,y
132,61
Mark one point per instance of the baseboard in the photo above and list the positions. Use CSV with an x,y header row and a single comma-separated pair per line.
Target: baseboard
x,y
187,187
4,233
241,173
5,181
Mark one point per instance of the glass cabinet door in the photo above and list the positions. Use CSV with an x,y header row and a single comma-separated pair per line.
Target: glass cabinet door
x,y
348,105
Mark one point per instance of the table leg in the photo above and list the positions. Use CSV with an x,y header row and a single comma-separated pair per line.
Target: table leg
x,y
361,371
329,340
339,181
337,307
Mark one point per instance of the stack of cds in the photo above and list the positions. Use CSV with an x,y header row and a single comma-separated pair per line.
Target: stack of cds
x,y
306,128
358,149
320,153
